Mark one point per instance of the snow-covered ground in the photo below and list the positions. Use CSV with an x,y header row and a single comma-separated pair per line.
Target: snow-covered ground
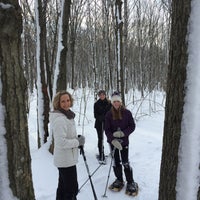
x,y
145,154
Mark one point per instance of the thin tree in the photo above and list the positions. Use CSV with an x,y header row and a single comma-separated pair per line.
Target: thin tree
x,y
42,87
119,48
60,80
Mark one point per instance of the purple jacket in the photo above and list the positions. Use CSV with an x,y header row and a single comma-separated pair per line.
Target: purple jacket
x,y
126,125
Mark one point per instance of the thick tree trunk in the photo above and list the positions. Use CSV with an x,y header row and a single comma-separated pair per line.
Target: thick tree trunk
x,y
175,99
14,98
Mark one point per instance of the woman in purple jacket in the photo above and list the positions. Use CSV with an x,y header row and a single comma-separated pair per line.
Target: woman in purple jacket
x,y
119,124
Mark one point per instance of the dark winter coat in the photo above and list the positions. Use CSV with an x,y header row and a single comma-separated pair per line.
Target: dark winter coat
x,y
126,125
101,107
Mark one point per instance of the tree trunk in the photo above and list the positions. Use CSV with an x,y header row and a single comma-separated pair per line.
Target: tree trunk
x,y
14,98
42,90
119,48
175,99
62,80
125,46
198,196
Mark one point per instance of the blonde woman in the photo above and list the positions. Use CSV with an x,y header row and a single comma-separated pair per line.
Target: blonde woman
x,y
66,145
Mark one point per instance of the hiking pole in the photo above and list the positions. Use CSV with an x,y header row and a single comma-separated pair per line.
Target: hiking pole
x,y
84,158
102,141
88,178
112,156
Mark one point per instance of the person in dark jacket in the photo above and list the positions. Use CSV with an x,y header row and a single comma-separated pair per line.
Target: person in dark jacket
x,y
101,107
119,124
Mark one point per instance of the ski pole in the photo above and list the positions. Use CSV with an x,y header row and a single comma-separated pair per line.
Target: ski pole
x,y
112,156
88,171
88,178
102,142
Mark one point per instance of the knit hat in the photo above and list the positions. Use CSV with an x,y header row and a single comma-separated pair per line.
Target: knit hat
x,y
116,97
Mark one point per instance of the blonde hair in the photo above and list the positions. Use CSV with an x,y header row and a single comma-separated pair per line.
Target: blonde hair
x,y
56,100
117,114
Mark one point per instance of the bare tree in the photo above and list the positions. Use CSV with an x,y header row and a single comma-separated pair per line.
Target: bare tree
x,y
62,58
42,68
119,48
14,99
76,18
175,99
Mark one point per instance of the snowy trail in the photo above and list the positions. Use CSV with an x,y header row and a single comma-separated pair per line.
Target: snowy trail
x,y
144,155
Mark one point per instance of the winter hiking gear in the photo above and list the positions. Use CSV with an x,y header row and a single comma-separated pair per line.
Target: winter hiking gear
x,y
116,97
126,124
63,128
89,177
117,185
66,189
102,160
81,140
112,156
117,144
88,171
118,134
101,150
132,189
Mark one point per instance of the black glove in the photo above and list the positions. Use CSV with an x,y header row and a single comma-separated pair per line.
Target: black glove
x,y
81,140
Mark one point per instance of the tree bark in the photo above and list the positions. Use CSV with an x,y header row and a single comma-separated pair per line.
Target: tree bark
x,y
62,80
14,98
44,66
178,59
119,48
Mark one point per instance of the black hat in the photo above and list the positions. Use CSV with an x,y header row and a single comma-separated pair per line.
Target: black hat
x,y
101,92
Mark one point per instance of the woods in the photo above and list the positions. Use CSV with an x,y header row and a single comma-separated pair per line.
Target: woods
x,y
91,44
46,46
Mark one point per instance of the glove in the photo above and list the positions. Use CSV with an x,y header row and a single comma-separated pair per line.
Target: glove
x,y
116,144
81,140
118,134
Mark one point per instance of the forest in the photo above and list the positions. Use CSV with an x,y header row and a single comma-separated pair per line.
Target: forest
x,y
53,45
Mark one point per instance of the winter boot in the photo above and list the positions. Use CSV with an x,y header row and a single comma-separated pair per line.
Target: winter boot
x,y
101,159
132,189
117,185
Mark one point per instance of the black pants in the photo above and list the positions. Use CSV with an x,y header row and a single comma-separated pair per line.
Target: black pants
x,y
121,158
100,130
67,184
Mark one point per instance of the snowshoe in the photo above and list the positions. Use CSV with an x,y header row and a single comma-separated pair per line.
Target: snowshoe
x,y
102,161
116,186
132,189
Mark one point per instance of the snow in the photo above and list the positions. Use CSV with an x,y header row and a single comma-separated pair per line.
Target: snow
x,y
5,6
145,155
